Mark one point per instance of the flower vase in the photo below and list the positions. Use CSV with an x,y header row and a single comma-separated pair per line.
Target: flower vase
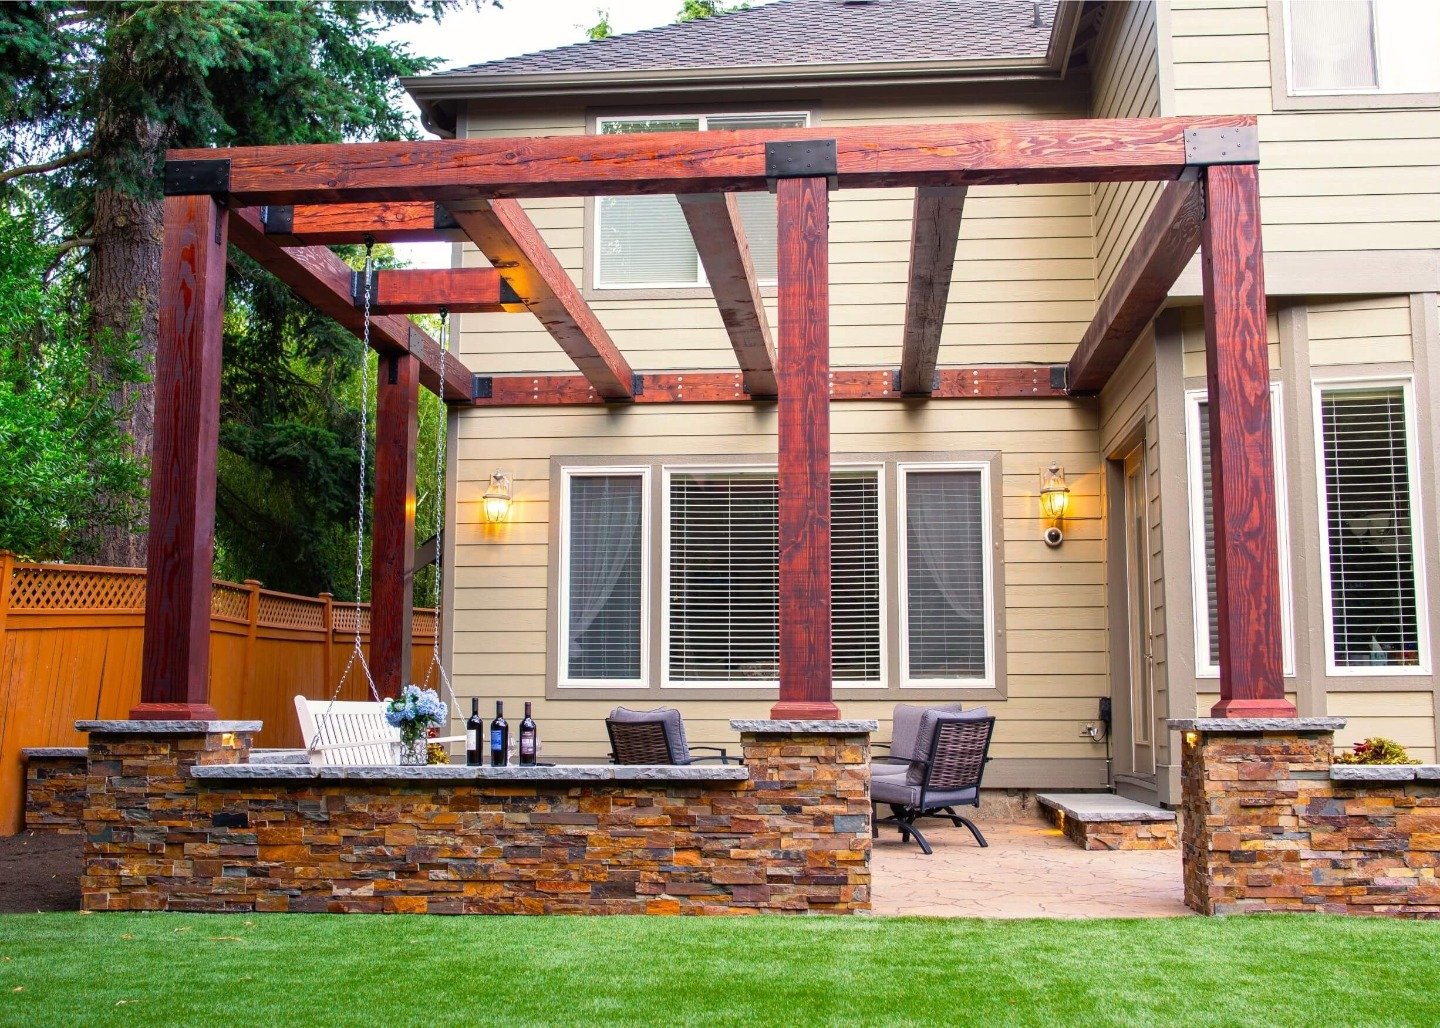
x,y
412,749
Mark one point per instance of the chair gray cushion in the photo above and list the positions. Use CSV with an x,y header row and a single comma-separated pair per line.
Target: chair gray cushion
x,y
667,716
895,789
926,736
905,728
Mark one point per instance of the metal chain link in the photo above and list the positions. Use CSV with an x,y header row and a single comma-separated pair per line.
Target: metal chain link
x,y
436,590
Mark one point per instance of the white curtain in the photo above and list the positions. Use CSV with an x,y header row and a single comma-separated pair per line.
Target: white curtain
x,y
604,579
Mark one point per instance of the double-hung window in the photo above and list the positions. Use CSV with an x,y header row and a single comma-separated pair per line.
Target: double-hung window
x,y
1370,527
1352,46
644,241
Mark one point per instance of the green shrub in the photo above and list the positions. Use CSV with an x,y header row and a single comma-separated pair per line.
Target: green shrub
x,y
1376,750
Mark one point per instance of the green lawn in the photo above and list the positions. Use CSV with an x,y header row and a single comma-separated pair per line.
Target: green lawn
x,y
311,969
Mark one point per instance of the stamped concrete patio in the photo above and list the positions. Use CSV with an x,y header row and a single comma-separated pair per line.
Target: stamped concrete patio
x,y
1029,870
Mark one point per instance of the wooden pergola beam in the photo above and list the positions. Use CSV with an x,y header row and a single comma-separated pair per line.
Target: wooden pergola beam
x,y
509,240
427,290
1165,245
322,279
934,235
719,234
963,153
336,224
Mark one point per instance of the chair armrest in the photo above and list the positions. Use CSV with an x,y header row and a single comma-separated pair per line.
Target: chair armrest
x,y
447,738
717,759
721,754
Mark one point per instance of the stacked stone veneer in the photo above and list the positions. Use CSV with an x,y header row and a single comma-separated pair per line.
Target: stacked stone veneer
x,y
792,835
1269,825
1117,835
54,789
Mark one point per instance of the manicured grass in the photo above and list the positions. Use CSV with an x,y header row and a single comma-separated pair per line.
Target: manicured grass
x,y
311,969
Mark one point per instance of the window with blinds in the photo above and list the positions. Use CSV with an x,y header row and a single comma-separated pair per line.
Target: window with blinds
x,y
723,577
1372,613
1349,46
604,577
644,241
947,593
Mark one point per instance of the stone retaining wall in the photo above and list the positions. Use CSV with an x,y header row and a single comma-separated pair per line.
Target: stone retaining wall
x,y
1271,825
55,789
792,835
1117,835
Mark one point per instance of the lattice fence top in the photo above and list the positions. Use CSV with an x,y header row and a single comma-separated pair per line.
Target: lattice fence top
x,y
51,587
424,622
345,615
230,601
291,612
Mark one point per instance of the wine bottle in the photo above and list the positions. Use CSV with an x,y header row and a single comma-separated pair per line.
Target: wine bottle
x,y
528,741
474,727
499,737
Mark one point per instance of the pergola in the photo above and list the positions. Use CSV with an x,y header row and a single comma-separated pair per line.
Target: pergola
x,y
283,204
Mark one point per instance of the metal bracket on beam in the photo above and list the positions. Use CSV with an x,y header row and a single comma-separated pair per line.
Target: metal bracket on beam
x,y
802,158
1060,376
484,387
1239,144
637,383
507,292
278,219
897,375
357,287
443,217
197,178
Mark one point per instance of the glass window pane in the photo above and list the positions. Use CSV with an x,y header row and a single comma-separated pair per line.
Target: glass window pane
x,y
1332,46
945,574
604,576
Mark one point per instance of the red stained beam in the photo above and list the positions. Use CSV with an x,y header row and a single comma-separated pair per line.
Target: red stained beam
x,y
934,235
392,566
322,279
962,153
334,224
1164,247
510,242
175,655
1247,564
426,290
719,235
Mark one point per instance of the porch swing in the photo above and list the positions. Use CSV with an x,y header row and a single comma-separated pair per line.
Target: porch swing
x,y
355,732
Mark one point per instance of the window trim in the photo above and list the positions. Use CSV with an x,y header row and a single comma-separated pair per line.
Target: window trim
x,y
1282,99
562,587
1199,599
903,469
1360,383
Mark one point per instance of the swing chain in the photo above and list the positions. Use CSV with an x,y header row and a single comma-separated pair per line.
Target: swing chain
x,y
437,666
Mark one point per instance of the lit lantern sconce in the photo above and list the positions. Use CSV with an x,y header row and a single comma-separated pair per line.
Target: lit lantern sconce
x,y
497,497
1054,499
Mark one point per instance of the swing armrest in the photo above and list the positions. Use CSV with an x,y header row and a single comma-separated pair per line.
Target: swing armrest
x,y
322,747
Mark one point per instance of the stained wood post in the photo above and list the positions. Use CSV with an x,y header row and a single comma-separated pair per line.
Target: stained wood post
x,y
175,661
1242,460
392,566
804,450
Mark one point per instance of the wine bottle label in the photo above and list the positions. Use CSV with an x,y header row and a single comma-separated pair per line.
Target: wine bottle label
x,y
527,745
496,739
472,739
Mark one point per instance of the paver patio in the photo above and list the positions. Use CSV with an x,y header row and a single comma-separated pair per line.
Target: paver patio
x,y
1029,870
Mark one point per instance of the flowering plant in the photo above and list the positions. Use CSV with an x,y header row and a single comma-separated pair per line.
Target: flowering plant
x,y
1376,750
415,711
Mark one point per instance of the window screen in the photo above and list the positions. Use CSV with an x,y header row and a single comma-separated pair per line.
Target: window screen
x,y
945,574
1332,46
724,577
603,580
1374,619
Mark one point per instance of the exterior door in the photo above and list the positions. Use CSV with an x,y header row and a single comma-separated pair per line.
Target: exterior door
x,y
1138,734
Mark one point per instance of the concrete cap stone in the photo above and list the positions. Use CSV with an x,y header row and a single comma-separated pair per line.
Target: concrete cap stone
x,y
167,727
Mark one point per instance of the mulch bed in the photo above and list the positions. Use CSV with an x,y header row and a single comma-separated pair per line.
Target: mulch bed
x,y
40,871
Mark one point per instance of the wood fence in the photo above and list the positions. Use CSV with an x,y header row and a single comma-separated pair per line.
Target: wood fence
x,y
70,641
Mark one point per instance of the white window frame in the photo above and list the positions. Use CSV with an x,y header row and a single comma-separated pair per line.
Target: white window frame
x,y
562,675
1380,13
1417,527
1198,571
701,281
667,473
902,547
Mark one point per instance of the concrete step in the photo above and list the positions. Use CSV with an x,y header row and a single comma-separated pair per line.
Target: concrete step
x,y
1105,821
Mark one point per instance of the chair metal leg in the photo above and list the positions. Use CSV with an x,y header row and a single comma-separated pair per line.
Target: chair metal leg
x,y
874,821
973,830
901,822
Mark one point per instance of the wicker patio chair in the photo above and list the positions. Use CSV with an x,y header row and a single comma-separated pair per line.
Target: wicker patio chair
x,y
904,734
957,748
655,737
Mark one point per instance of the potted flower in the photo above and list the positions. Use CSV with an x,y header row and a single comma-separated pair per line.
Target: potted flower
x,y
415,711
1376,750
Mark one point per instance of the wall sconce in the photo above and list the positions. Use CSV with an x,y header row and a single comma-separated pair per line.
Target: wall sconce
x,y
1054,499
497,497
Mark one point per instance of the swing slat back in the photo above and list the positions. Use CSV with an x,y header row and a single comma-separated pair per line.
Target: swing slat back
x,y
332,731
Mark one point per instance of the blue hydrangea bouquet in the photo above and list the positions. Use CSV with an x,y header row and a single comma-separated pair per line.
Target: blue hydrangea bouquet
x,y
415,711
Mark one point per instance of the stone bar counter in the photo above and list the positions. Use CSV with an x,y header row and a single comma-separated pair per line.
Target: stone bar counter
x,y
179,817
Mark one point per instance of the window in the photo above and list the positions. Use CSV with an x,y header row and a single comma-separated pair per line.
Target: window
x,y
948,610
1373,590
644,241
1202,535
1345,46
722,615
602,577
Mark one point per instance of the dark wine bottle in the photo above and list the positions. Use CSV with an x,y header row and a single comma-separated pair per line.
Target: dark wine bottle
x,y
474,728
499,737
528,740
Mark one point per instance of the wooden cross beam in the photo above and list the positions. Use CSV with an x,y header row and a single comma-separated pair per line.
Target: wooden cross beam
x,y
335,224
1165,245
427,290
934,235
719,235
963,153
324,280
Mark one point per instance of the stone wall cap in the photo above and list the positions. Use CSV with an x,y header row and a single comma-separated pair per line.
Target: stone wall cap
x,y
1253,725
1427,772
279,756
41,752
167,727
804,727
462,772
1102,807
1383,772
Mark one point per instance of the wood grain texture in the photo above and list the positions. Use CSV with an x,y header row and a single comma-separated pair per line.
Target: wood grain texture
x,y
804,449
719,234
175,660
934,234
426,290
509,240
1163,249
987,382
1247,565
334,224
960,153
392,564
322,279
